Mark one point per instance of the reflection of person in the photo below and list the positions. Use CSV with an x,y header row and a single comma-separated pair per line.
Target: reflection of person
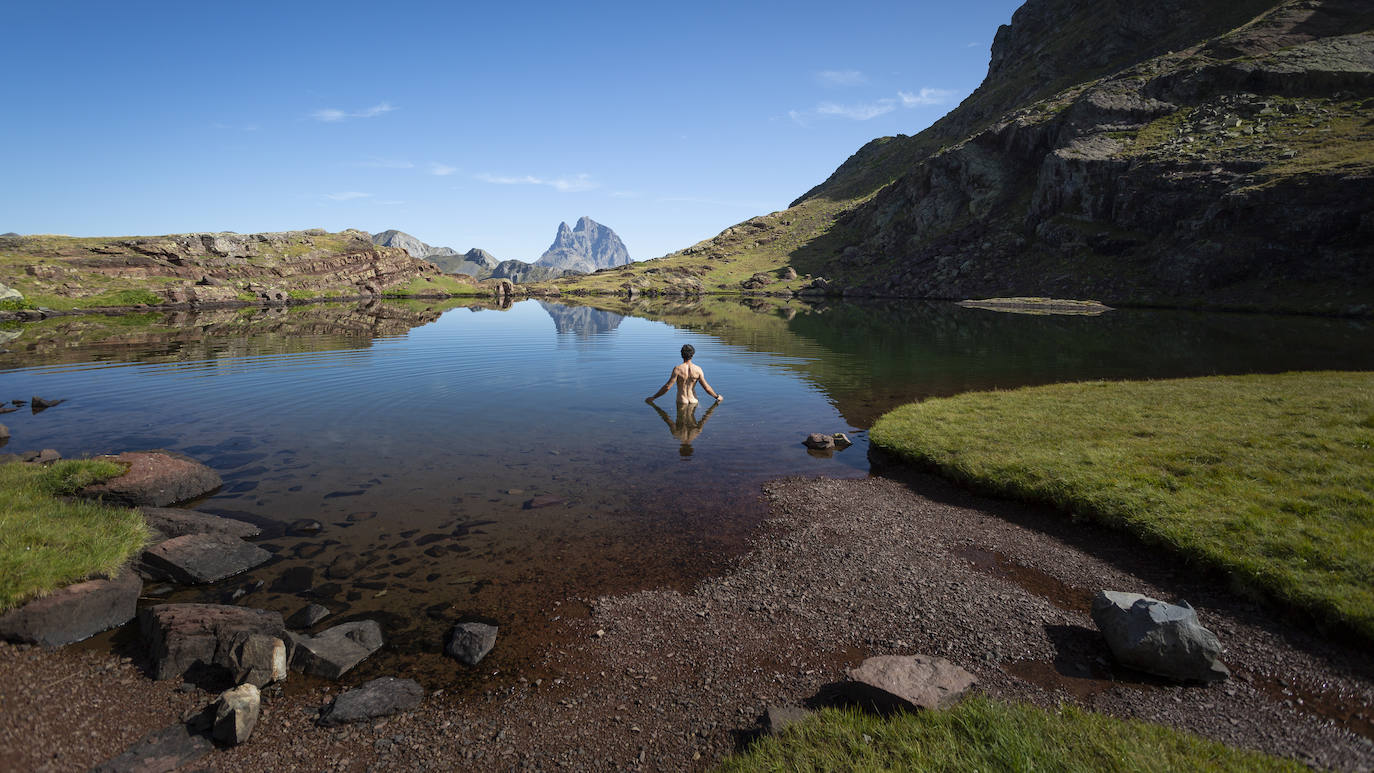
x,y
686,376
687,427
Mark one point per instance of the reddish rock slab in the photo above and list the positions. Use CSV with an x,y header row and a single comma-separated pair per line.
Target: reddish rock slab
x,y
75,612
201,558
181,636
918,681
156,478
174,522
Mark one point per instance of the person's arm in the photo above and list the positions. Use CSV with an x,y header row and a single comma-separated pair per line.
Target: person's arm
x,y
662,391
708,388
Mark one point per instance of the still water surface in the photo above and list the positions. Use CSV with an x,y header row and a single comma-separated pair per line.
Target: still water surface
x,y
417,435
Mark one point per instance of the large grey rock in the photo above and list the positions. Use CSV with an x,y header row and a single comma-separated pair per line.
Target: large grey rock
x,y
1159,638
236,714
202,558
377,698
334,651
257,659
156,478
182,636
164,750
75,612
819,441
470,642
918,681
9,293
176,522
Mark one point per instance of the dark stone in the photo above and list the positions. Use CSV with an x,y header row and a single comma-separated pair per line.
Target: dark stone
x,y
308,550
819,442
333,652
167,749
1159,638
156,478
308,616
377,698
470,642
203,558
181,636
75,612
344,565
7,408
175,522
543,500
38,404
294,580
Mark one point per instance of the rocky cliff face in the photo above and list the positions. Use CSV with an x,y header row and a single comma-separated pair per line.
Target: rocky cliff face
x,y
584,248
207,268
1236,172
1174,153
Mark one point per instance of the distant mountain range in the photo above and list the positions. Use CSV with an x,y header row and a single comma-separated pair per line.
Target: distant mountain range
x,y
579,250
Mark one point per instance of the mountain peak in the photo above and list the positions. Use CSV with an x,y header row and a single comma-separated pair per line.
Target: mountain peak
x,y
586,248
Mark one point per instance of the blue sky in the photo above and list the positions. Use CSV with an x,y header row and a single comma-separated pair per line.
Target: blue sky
x,y
465,124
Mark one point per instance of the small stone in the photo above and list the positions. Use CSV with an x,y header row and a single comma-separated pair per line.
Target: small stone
x,y
307,616
305,527
543,500
38,404
819,441
257,659
470,642
236,714
842,440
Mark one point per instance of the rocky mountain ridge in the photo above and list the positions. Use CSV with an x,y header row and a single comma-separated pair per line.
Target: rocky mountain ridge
x,y
476,263
585,248
1176,153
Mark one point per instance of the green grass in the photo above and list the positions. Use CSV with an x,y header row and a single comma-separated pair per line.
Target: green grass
x,y
1270,478
441,284
46,541
983,734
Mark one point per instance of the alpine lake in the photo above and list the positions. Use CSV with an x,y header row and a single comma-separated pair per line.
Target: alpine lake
x,y
468,461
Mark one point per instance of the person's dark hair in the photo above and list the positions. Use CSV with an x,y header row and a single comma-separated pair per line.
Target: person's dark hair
x,y
687,351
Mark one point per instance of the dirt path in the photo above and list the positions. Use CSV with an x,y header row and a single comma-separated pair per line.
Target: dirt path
x,y
844,569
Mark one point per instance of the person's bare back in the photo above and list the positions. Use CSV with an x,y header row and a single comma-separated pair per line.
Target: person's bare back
x,y
686,377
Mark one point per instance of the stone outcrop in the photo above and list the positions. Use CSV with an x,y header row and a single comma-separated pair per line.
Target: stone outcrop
x,y
75,612
584,248
183,636
210,268
155,478
202,558
1158,638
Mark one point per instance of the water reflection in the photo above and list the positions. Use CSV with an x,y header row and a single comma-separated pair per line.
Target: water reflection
x,y
581,320
686,427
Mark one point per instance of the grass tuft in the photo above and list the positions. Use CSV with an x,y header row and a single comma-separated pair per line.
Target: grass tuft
x,y
47,542
983,734
1270,478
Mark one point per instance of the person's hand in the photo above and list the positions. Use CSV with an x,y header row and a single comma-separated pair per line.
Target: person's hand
x,y
720,398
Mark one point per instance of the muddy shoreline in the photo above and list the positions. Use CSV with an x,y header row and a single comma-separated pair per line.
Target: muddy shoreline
x,y
843,569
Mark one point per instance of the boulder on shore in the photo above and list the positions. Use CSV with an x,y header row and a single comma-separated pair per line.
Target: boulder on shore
x,y
203,558
470,642
910,681
182,636
75,612
1158,638
155,478
378,698
236,714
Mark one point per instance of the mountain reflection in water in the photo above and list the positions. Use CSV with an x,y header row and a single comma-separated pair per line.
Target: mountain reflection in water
x,y
420,434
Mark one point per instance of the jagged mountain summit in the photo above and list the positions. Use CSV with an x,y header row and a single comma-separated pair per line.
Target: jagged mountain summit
x,y
585,248
476,262
416,248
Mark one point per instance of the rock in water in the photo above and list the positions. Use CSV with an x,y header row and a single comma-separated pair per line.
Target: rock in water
x,y
308,616
1159,638
377,698
335,650
470,642
38,404
918,681
236,714
202,558
819,442
75,612
156,478
173,522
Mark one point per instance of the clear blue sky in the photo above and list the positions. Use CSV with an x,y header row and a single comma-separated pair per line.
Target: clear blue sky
x,y
465,124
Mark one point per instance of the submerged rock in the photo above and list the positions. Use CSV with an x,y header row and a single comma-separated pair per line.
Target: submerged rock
x,y
1159,638
819,442
203,558
308,616
334,651
175,522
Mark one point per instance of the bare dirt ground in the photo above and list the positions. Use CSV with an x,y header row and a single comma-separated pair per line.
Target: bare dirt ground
x,y
661,680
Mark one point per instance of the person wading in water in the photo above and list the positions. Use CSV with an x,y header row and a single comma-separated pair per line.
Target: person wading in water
x,y
686,376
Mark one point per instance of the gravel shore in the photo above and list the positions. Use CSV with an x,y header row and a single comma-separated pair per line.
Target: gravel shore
x,y
844,569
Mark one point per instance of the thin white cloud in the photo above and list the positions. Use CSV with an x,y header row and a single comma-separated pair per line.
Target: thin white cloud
x,y
841,78
442,170
384,163
576,184
925,97
334,115
857,112
346,196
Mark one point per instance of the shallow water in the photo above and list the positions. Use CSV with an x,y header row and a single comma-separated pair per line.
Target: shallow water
x,y
418,434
